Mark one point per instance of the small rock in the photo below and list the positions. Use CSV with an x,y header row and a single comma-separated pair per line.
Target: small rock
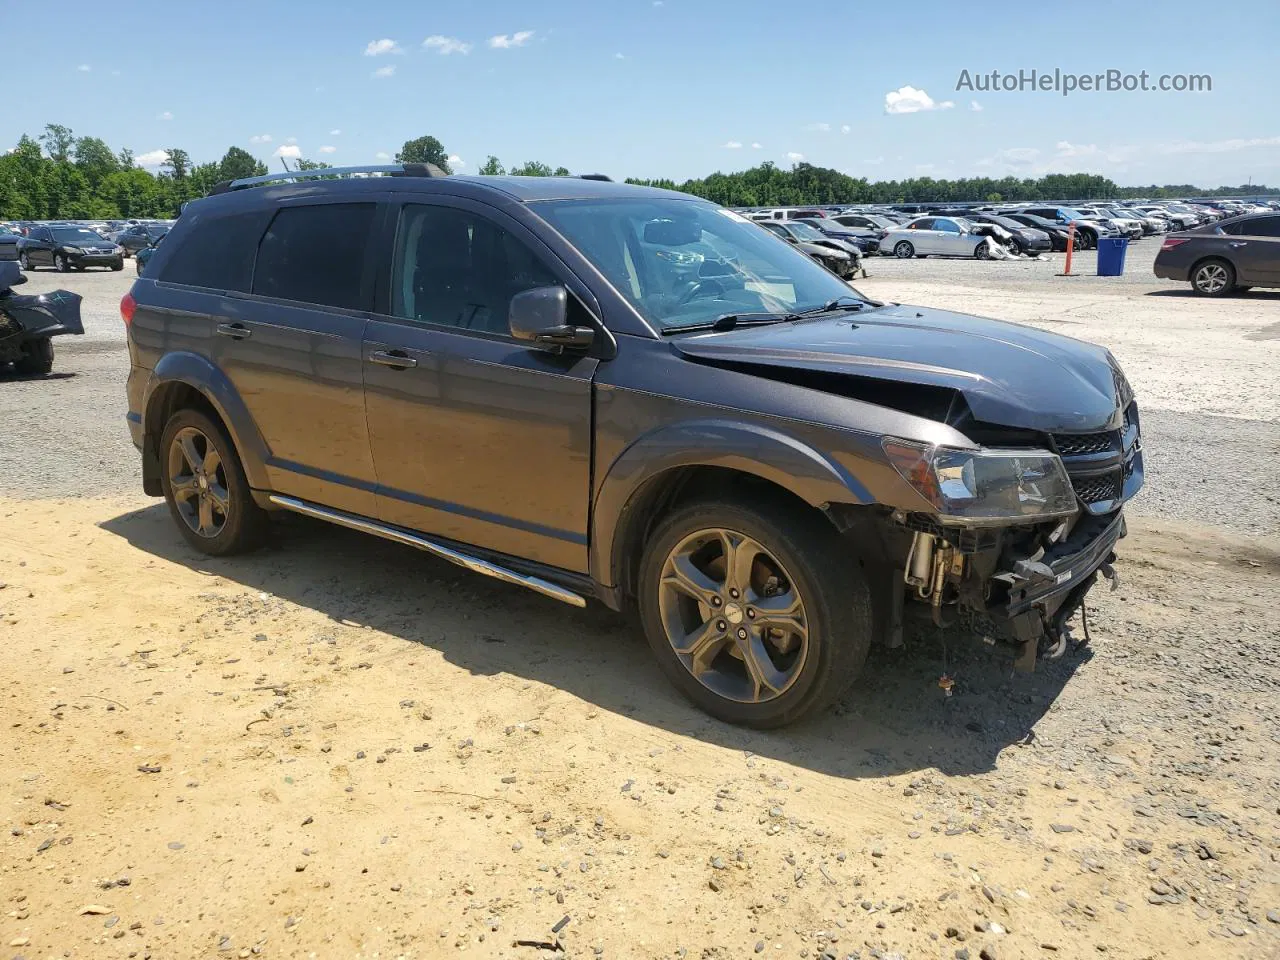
x,y
395,888
987,953
955,933
962,953
718,864
759,946
1062,828
176,845
1273,916
508,779
877,852
517,847
23,941
94,910
714,884
1235,929
148,768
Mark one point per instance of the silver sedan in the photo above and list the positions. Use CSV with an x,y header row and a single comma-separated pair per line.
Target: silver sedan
x,y
935,236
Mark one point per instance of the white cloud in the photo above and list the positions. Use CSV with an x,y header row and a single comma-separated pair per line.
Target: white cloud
x,y
288,151
260,138
845,128
377,48
657,3
504,42
1217,146
619,56
152,158
819,127
446,45
335,133
975,106
910,100
456,161
733,145
327,149
382,72
84,68
756,146
382,155
795,157
166,115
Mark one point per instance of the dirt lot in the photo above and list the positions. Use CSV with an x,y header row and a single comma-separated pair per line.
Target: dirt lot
x,y
338,747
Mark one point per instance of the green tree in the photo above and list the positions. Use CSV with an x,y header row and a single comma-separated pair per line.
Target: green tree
x,y
237,163
58,140
178,164
425,150
124,158
531,169
491,168
304,164
95,159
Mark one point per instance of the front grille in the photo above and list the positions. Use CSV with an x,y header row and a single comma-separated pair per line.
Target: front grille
x,y
1098,489
1078,443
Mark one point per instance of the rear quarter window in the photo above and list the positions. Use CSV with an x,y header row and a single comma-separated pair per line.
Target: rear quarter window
x,y
216,253
315,254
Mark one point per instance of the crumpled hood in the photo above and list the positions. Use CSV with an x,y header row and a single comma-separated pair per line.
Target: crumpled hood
x,y
1009,374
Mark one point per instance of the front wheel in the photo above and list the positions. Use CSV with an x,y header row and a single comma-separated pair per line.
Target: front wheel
x,y
61,263
982,251
206,488
25,262
1213,278
755,609
118,265
37,358
903,250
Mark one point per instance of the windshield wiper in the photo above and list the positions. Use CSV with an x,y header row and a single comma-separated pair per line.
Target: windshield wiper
x,y
728,321
844,302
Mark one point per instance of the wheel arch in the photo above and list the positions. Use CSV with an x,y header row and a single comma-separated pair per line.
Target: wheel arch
x,y
675,463
182,380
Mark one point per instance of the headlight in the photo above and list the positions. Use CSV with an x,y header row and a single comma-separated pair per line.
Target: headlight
x,y
985,485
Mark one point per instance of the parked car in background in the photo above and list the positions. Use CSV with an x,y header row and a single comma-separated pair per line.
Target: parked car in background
x,y
873,222
144,255
1230,255
133,238
1023,239
9,238
935,237
65,248
1177,221
768,470
1087,231
831,254
867,241
1150,225
1124,226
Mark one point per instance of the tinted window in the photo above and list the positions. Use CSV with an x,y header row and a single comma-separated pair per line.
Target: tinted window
x,y
1262,227
315,254
216,253
949,226
455,268
924,223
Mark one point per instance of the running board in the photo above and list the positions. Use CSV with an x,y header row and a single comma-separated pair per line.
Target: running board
x,y
474,564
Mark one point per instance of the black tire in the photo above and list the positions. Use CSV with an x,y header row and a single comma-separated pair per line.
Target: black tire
x,y
823,572
61,263
982,251
1016,248
244,522
37,358
904,250
118,265
25,263
1213,277
1243,288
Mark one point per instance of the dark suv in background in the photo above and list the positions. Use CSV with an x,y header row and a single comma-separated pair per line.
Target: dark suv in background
x,y
603,391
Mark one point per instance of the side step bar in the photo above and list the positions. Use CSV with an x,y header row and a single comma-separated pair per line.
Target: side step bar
x,y
474,564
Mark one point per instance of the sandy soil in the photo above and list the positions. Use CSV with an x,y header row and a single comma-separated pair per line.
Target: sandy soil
x,y
338,747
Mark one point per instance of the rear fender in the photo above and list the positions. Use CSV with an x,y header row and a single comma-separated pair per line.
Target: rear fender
x,y
748,448
198,372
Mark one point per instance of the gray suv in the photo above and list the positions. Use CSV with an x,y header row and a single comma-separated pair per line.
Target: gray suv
x,y
600,391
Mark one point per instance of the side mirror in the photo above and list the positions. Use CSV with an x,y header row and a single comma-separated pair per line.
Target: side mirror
x,y
539,317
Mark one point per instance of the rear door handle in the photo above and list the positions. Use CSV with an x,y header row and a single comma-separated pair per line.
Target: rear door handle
x,y
397,359
237,331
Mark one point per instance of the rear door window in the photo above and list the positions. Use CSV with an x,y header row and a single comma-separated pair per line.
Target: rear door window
x,y
315,254
217,253
1262,227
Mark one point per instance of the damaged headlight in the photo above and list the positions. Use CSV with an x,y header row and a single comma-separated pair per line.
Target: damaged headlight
x,y
985,486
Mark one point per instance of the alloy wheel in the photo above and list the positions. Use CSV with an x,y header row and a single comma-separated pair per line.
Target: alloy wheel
x,y
733,616
24,262
198,479
1211,278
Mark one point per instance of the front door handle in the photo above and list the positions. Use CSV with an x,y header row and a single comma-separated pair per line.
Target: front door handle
x,y
397,359
236,331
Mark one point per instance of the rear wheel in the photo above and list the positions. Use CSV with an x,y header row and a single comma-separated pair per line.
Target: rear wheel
x,y
37,357
755,609
904,250
205,486
25,262
1213,278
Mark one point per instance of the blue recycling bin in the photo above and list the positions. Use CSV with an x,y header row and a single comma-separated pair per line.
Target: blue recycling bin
x,y
1111,251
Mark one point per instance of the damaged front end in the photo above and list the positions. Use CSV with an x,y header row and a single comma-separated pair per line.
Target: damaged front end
x,y
1019,535
26,320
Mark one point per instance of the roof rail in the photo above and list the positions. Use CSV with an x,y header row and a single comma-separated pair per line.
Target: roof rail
x,y
389,170
595,176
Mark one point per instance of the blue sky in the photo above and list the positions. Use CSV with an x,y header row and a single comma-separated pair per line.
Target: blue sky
x,y
673,88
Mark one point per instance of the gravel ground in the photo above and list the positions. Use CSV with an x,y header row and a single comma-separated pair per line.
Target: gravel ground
x,y
341,747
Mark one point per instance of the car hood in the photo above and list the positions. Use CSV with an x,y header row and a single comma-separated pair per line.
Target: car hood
x,y
1009,374
820,249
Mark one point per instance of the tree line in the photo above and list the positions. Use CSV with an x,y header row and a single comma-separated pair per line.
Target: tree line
x,y
58,175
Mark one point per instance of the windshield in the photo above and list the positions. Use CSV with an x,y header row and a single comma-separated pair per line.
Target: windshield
x,y
805,232
1003,221
156,230
1071,214
74,234
681,262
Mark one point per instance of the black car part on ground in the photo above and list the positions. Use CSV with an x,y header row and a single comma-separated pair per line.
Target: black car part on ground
x,y
28,322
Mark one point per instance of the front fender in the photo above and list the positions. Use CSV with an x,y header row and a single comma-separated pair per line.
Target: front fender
x,y
199,373
745,447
